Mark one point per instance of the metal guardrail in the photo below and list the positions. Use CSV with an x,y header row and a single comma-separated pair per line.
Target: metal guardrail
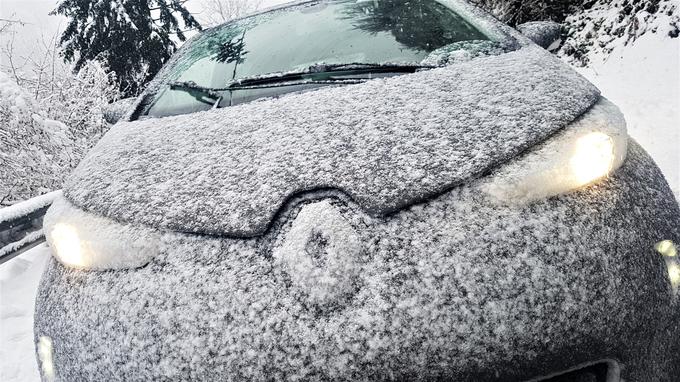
x,y
21,225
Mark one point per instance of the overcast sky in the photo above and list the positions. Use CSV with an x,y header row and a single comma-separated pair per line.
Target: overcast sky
x,y
40,26
39,23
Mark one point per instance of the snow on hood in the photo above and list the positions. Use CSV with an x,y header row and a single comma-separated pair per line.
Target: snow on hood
x,y
387,143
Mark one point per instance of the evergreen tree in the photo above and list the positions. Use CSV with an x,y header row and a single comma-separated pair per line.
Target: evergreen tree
x,y
133,38
516,12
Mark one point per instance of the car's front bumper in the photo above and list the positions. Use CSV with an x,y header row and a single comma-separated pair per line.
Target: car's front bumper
x,y
458,288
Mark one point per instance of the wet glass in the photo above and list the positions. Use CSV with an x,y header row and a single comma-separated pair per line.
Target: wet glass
x,y
294,38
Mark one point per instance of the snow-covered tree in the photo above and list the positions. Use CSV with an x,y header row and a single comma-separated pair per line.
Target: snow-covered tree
x,y
132,38
216,12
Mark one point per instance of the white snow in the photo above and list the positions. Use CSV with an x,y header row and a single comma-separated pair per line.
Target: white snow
x,y
19,279
643,79
321,251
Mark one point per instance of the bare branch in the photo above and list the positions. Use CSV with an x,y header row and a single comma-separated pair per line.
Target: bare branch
x,y
9,52
10,21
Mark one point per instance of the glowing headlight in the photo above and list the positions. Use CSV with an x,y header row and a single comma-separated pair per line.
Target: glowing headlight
x,y
86,241
670,255
674,274
593,157
66,243
45,355
666,248
587,150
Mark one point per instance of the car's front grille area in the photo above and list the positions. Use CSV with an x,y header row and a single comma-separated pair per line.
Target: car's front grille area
x,y
597,372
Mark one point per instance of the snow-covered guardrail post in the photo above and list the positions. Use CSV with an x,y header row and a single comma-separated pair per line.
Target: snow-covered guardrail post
x,y
21,225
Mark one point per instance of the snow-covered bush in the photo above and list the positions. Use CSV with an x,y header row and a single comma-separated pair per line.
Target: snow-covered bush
x,y
606,24
78,100
48,124
592,25
34,149
74,97
515,12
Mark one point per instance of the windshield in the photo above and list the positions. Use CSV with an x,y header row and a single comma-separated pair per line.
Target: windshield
x,y
301,36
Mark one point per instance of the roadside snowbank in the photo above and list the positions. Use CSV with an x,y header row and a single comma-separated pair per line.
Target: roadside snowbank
x,y
18,286
644,81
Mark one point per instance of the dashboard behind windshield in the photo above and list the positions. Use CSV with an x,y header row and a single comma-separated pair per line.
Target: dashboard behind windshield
x,y
296,37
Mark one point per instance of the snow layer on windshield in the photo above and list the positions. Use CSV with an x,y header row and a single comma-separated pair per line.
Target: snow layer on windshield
x,y
387,143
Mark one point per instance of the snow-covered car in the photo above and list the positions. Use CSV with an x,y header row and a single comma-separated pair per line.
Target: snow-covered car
x,y
364,190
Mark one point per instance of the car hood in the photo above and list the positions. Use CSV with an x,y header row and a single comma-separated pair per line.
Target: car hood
x,y
387,144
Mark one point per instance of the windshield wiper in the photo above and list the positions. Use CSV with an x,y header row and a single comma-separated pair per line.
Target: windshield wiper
x,y
200,93
324,72
319,74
